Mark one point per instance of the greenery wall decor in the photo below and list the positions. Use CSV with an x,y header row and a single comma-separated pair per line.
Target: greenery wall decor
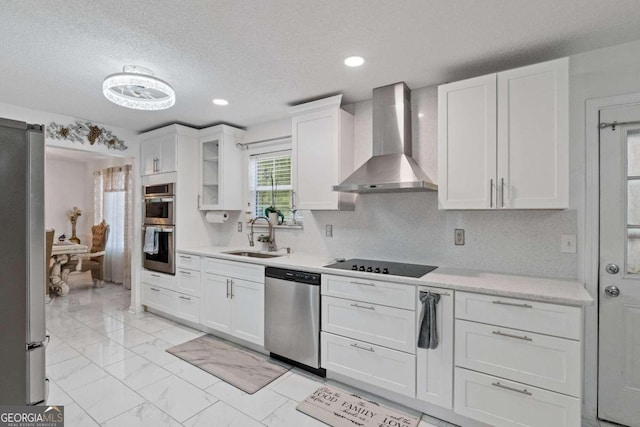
x,y
79,131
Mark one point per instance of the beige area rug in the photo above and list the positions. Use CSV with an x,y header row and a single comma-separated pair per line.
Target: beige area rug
x,y
339,408
249,371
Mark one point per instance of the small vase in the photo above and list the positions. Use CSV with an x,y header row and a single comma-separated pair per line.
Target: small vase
x,y
73,237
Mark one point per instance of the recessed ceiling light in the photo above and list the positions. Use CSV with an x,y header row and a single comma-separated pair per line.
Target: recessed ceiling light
x,y
219,101
354,61
137,88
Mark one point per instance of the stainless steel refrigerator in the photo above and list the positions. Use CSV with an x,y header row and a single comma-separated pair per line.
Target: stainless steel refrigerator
x,y
22,272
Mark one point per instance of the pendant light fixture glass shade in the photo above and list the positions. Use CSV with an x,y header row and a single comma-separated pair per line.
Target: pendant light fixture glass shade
x,y
137,88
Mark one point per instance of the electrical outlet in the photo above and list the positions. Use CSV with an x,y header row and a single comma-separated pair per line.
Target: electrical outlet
x,y
458,236
568,243
239,226
328,230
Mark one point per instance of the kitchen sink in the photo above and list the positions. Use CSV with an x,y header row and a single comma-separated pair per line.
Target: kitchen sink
x,y
252,254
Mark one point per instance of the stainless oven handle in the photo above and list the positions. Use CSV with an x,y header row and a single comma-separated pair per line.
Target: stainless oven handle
x,y
161,229
159,199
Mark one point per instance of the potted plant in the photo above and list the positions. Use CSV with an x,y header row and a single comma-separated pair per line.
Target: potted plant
x,y
272,208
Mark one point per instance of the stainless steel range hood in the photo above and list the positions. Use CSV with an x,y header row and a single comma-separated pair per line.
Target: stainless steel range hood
x,y
391,169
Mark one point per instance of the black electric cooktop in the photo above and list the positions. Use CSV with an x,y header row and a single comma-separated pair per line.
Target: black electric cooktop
x,y
383,267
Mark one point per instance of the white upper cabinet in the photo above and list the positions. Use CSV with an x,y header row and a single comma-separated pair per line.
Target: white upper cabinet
x,y
503,140
322,154
221,175
467,143
533,136
158,151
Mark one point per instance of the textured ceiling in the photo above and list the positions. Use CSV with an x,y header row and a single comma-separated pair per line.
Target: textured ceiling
x,y
265,55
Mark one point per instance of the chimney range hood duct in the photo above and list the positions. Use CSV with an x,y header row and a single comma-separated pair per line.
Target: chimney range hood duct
x,y
391,169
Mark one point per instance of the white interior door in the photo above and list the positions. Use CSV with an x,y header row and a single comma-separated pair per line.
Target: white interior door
x,y
619,281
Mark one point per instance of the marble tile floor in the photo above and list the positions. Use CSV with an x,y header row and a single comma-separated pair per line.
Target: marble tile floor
x,y
109,367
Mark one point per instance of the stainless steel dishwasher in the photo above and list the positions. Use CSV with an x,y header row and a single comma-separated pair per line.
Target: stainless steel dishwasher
x,y
292,317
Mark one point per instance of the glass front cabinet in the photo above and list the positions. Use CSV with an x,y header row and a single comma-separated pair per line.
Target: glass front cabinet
x,y
221,172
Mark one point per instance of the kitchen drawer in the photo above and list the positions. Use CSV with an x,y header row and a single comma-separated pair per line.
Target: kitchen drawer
x,y
372,291
240,270
187,307
544,318
500,402
379,366
377,324
165,281
188,282
188,261
540,360
158,298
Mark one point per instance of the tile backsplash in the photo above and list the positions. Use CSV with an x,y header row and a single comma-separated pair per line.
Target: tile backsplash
x,y
408,227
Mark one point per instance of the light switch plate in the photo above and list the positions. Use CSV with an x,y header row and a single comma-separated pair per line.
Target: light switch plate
x,y
328,230
458,236
568,243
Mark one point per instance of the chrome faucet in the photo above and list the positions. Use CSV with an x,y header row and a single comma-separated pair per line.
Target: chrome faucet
x,y
272,233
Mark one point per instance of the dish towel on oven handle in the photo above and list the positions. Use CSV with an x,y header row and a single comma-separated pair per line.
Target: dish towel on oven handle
x,y
151,241
428,336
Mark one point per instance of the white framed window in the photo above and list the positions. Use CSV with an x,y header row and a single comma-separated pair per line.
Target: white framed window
x,y
270,184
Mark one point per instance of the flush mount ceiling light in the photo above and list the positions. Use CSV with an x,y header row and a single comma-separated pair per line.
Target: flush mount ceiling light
x,y
137,88
220,101
354,61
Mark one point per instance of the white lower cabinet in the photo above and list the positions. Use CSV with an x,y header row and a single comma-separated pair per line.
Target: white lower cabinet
x,y
158,298
518,362
188,281
377,324
434,367
248,310
231,304
187,307
390,369
216,309
499,402
540,360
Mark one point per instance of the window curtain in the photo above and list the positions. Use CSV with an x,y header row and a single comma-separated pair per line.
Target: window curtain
x,y
113,202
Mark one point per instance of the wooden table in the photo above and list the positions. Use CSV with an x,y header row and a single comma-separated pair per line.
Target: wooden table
x,y
60,253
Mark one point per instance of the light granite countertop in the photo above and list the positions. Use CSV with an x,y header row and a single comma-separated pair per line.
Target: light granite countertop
x,y
558,291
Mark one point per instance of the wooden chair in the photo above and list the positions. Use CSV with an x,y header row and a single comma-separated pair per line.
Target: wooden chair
x,y
48,245
93,261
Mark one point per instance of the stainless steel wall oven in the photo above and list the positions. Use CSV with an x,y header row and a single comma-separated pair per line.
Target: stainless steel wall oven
x,y
159,204
158,231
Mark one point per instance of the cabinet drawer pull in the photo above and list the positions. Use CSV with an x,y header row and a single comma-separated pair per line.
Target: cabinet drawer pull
x,y
512,304
185,257
231,281
506,387
155,290
363,306
185,298
228,293
354,345
154,275
502,334
355,282
186,273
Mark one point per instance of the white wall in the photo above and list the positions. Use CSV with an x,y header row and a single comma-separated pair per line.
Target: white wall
x,y
66,187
